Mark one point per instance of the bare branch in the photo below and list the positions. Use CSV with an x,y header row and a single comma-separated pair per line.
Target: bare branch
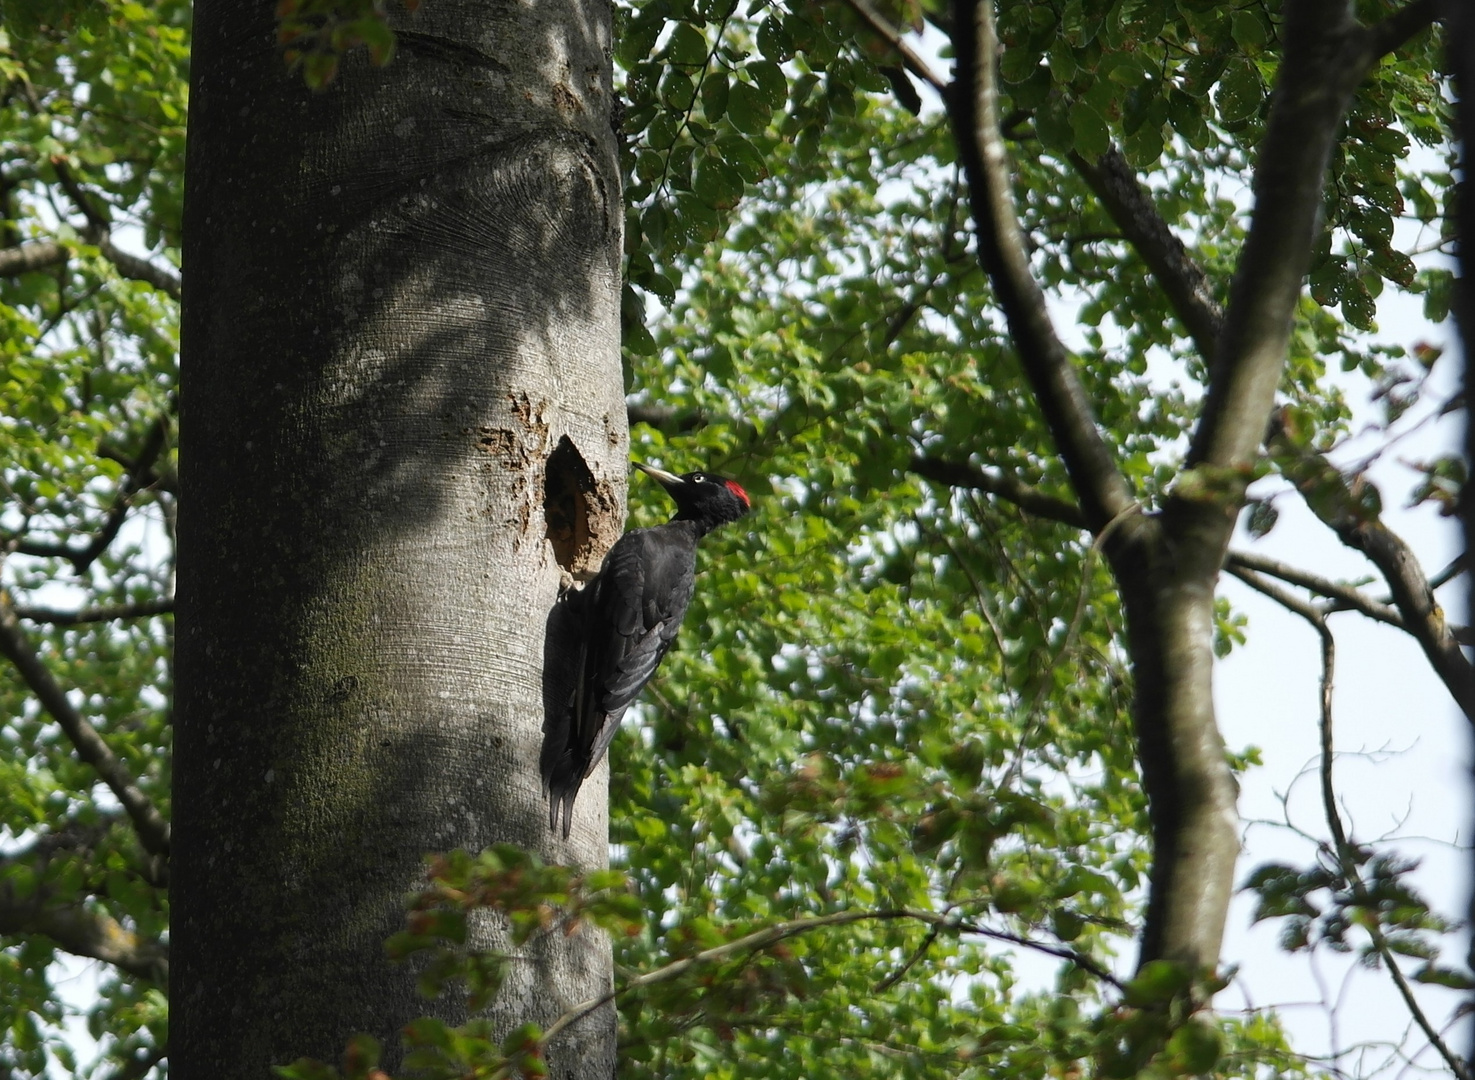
x,y
153,830
965,474
26,258
1346,853
144,609
1342,848
1326,56
1344,597
973,107
1331,498
1458,565
1289,601
909,57
1182,280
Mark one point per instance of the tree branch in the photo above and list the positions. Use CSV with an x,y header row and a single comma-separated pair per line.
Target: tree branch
x,y
26,258
965,474
664,417
73,925
1326,56
165,279
772,935
911,961
1342,848
909,57
107,613
84,931
1289,601
973,108
153,830
132,483
1182,280
1344,597
1395,31
1358,525
99,233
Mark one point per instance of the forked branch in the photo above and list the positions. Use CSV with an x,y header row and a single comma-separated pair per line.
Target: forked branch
x,y
153,830
71,922
134,481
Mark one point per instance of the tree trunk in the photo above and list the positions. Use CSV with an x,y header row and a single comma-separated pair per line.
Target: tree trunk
x,y
1167,580
403,423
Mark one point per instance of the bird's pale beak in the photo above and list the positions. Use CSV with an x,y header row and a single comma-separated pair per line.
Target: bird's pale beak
x,y
666,479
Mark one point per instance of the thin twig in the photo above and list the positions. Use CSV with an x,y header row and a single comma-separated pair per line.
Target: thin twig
x,y
911,962
1344,851
107,613
132,483
772,935
909,57
1031,500
1346,597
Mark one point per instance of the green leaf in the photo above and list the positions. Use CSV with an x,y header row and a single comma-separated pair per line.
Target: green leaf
x,y
747,109
1248,30
772,85
1054,127
1088,129
715,89
1195,1047
677,91
1441,976
1158,983
774,40
1263,517
1240,93
744,157
687,48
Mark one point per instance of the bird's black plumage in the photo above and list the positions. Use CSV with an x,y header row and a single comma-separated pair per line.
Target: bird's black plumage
x,y
629,616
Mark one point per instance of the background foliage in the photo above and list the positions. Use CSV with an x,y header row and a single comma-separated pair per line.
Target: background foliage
x,y
892,694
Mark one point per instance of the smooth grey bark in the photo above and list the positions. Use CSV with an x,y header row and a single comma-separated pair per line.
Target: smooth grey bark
x,y
402,296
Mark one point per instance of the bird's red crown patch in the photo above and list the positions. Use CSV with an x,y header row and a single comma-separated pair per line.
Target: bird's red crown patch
x,y
737,489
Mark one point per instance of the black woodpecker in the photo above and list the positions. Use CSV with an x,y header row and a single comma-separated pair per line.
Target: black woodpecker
x,y
630,615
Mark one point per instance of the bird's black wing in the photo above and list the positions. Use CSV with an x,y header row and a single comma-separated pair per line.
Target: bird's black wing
x,y
644,590
636,608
